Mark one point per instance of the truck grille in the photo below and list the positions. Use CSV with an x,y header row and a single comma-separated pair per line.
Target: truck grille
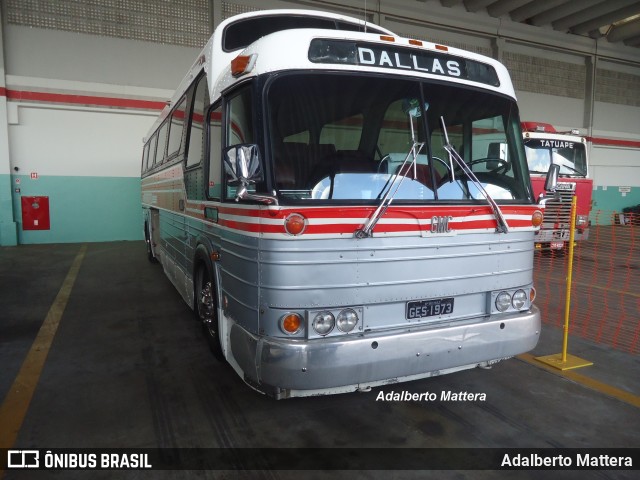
x,y
557,213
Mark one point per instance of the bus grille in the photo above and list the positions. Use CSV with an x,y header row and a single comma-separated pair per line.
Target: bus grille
x,y
557,213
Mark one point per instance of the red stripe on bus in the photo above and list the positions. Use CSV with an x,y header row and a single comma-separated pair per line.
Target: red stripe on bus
x,y
398,212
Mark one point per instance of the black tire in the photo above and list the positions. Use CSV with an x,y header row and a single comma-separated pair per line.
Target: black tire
x,y
206,308
147,240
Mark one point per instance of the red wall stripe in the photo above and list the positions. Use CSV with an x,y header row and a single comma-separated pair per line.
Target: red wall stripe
x,y
92,100
614,142
87,100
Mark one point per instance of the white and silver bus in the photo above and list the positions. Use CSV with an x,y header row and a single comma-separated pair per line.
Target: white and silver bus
x,y
326,196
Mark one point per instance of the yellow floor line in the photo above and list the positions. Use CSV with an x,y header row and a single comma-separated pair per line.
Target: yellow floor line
x,y
16,403
588,382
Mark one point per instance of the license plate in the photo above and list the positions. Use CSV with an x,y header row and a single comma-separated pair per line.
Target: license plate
x,y
429,308
557,245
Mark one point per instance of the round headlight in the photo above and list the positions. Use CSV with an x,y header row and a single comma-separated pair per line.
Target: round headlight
x,y
503,301
519,299
323,323
347,320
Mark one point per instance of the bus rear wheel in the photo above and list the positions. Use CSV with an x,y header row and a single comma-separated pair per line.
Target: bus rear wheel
x,y
207,310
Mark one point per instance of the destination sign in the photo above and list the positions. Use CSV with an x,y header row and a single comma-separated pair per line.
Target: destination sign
x,y
401,58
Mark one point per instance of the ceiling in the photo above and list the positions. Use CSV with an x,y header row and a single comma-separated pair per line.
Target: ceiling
x,y
616,20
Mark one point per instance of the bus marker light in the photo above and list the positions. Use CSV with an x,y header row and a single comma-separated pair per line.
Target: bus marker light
x,y
536,218
242,64
442,47
295,224
291,323
387,38
417,43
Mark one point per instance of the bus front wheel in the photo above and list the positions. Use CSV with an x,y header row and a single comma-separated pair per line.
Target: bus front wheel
x,y
207,309
147,240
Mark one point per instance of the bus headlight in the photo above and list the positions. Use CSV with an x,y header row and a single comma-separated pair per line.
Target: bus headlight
x,y
503,301
519,299
347,320
582,220
323,323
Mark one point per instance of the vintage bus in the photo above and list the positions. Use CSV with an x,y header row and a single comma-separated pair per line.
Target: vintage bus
x,y
545,146
322,193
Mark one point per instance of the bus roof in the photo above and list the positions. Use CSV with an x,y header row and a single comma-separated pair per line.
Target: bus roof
x,y
236,33
376,50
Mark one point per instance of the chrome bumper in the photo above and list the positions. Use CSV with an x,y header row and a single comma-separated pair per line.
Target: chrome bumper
x,y
271,364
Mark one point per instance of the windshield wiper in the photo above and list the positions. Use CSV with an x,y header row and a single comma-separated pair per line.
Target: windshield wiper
x,y
502,226
369,225
574,170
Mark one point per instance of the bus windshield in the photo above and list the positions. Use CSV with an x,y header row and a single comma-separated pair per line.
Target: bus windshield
x,y
337,137
571,156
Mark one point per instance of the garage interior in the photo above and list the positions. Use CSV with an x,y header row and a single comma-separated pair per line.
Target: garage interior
x,y
97,348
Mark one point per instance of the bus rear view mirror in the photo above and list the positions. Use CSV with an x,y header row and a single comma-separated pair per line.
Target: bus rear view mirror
x,y
242,164
550,185
243,167
552,178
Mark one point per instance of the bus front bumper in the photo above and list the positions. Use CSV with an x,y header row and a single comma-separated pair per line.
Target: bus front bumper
x,y
284,367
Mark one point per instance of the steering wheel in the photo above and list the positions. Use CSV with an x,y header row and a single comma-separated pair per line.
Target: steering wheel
x,y
502,168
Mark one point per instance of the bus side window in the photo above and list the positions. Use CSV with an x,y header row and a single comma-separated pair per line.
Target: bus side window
x,y
196,135
194,176
162,143
239,127
176,128
145,157
215,152
151,162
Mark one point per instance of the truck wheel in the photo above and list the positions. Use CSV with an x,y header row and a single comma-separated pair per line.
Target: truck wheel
x,y
207,309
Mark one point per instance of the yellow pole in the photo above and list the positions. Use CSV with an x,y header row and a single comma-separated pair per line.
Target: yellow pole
x,y
567,304
563,361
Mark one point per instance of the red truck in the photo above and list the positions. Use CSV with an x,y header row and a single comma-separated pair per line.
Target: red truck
x,y
544,145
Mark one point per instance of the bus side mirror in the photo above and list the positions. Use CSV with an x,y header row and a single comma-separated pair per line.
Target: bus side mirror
x,y
550,184
242,164
552,178
243,167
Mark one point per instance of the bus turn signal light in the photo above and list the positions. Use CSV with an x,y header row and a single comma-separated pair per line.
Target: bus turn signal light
x,y
291,323
536,218
295,224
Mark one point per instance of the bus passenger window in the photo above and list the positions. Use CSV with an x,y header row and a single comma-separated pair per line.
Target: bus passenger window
x,y
151,162
215,152
176,128
196,137
162,143
145,158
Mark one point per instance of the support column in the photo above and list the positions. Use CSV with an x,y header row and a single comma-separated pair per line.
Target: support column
x,y
8,226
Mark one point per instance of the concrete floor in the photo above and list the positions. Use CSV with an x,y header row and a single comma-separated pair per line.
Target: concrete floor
x,y
129,367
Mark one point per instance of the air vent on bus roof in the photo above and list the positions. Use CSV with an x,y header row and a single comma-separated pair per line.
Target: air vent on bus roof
x,y
239,35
